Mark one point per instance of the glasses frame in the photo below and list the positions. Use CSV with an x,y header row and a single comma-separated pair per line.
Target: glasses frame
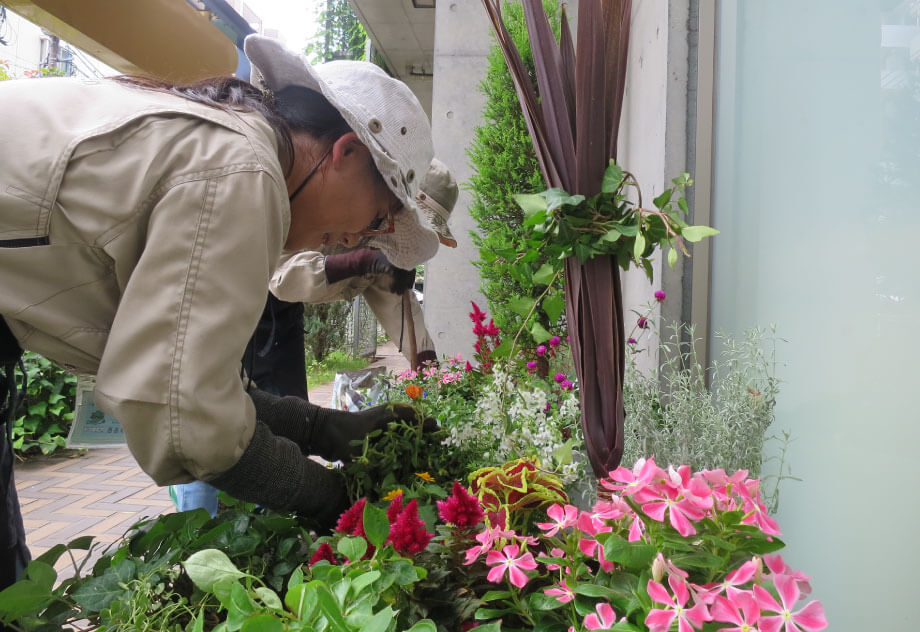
x,y
374,229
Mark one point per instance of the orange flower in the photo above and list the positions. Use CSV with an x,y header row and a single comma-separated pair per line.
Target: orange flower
x,y
425,476
414,391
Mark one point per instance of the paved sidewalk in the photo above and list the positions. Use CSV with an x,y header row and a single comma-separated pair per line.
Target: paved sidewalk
x,y
102,492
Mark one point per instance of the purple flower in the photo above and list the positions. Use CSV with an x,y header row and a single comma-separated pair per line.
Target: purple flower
x,y
531,366
541,350
631,341
546,408
566,385
554,341
559,377
660,296
642,323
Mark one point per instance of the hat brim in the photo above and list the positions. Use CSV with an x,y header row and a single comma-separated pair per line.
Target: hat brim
x,y
434,214
275,68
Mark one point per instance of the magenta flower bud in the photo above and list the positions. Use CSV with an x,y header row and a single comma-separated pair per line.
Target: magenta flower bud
x,y
541,350
554,341
660,296
642,323
559,377
631,341
531,366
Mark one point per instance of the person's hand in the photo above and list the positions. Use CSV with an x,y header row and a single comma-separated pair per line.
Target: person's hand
x,y
327,432
367,261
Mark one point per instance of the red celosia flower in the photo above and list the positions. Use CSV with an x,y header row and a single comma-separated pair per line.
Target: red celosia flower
x,y
407,533
324,552
352,521
395,508
461,509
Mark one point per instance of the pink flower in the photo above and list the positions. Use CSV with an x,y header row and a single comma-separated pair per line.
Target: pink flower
x,y
739,576
324,552
531,366
555,552
755,511
808,619
566,385
739,608
563,518
563,593
681,512
351,521
592,548
631,341
634,482
407,533
603,620
777,565
461,508
508,560
593,522
660,619
486,541
559,377
642,322
554,341
541,350
468,367
660,296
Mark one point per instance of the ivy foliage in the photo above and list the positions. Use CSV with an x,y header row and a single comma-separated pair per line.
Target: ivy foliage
x,y
46,410
504,164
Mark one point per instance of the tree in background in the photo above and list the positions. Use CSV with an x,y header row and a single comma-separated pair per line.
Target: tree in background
x,y
505,164
341,34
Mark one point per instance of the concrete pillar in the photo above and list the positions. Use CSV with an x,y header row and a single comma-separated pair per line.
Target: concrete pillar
x,y
463,36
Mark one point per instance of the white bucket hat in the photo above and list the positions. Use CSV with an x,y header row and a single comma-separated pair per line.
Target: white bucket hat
x,y
437,195
386,117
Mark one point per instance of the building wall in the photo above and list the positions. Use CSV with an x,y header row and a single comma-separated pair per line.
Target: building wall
x,y
23,44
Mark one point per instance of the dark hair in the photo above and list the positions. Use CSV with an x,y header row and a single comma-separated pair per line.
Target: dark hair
x,y
291,109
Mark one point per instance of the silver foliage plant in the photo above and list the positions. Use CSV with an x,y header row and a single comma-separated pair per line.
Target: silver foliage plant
x,y
673,416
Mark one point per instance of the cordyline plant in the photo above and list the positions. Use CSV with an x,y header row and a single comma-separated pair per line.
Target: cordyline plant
x,y
574,124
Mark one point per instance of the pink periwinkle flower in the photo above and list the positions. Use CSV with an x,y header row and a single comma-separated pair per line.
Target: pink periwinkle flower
x,y
562,517
487,539
593,548
682,513
642,322
562,592
739,608
509,560
555,341
531,366
740,576
541,350
777,565
604,618
660,619
554,552
660,296
808,619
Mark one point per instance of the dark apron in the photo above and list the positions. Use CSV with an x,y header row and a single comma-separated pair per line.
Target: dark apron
x,y
275,356
14,555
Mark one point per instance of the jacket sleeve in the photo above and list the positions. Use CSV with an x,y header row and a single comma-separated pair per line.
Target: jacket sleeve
x,y
302,277
170,369
388,308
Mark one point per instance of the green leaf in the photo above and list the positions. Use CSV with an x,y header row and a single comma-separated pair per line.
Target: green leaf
x,y
52,555
594,590
269,597
491,613
380,621
25,597
625,626
205,568
521,305
376,525
98,593
539,333
302,600
629,554
330,608
364,580
198,625
672,256
425,625
540,601
545,274
492,595
628,230
262,623
553,307
352,548
42,574
696,233
613,177
662,200
611,235
531,203
492,626
639,246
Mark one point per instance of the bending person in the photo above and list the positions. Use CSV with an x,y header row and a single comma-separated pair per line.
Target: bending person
x,y
139,228
315,277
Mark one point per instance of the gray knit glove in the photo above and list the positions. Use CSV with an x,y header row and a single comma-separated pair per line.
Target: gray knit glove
x,y
327,432
273,473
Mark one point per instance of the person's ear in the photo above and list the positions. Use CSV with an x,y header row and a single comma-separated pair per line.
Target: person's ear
x,y
345,147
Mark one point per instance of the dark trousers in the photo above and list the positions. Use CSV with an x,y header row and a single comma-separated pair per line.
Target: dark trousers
x,y
275,356
14,555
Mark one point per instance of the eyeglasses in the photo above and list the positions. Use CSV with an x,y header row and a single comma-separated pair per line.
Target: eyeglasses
x,y
374,228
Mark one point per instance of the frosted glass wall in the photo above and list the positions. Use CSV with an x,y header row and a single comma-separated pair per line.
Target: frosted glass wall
x,y
817,195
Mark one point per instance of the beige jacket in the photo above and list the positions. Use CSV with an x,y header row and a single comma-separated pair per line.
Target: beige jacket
x,y
138,232
302,277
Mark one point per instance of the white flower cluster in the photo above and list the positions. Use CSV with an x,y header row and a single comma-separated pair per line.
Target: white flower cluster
x,y
512,421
